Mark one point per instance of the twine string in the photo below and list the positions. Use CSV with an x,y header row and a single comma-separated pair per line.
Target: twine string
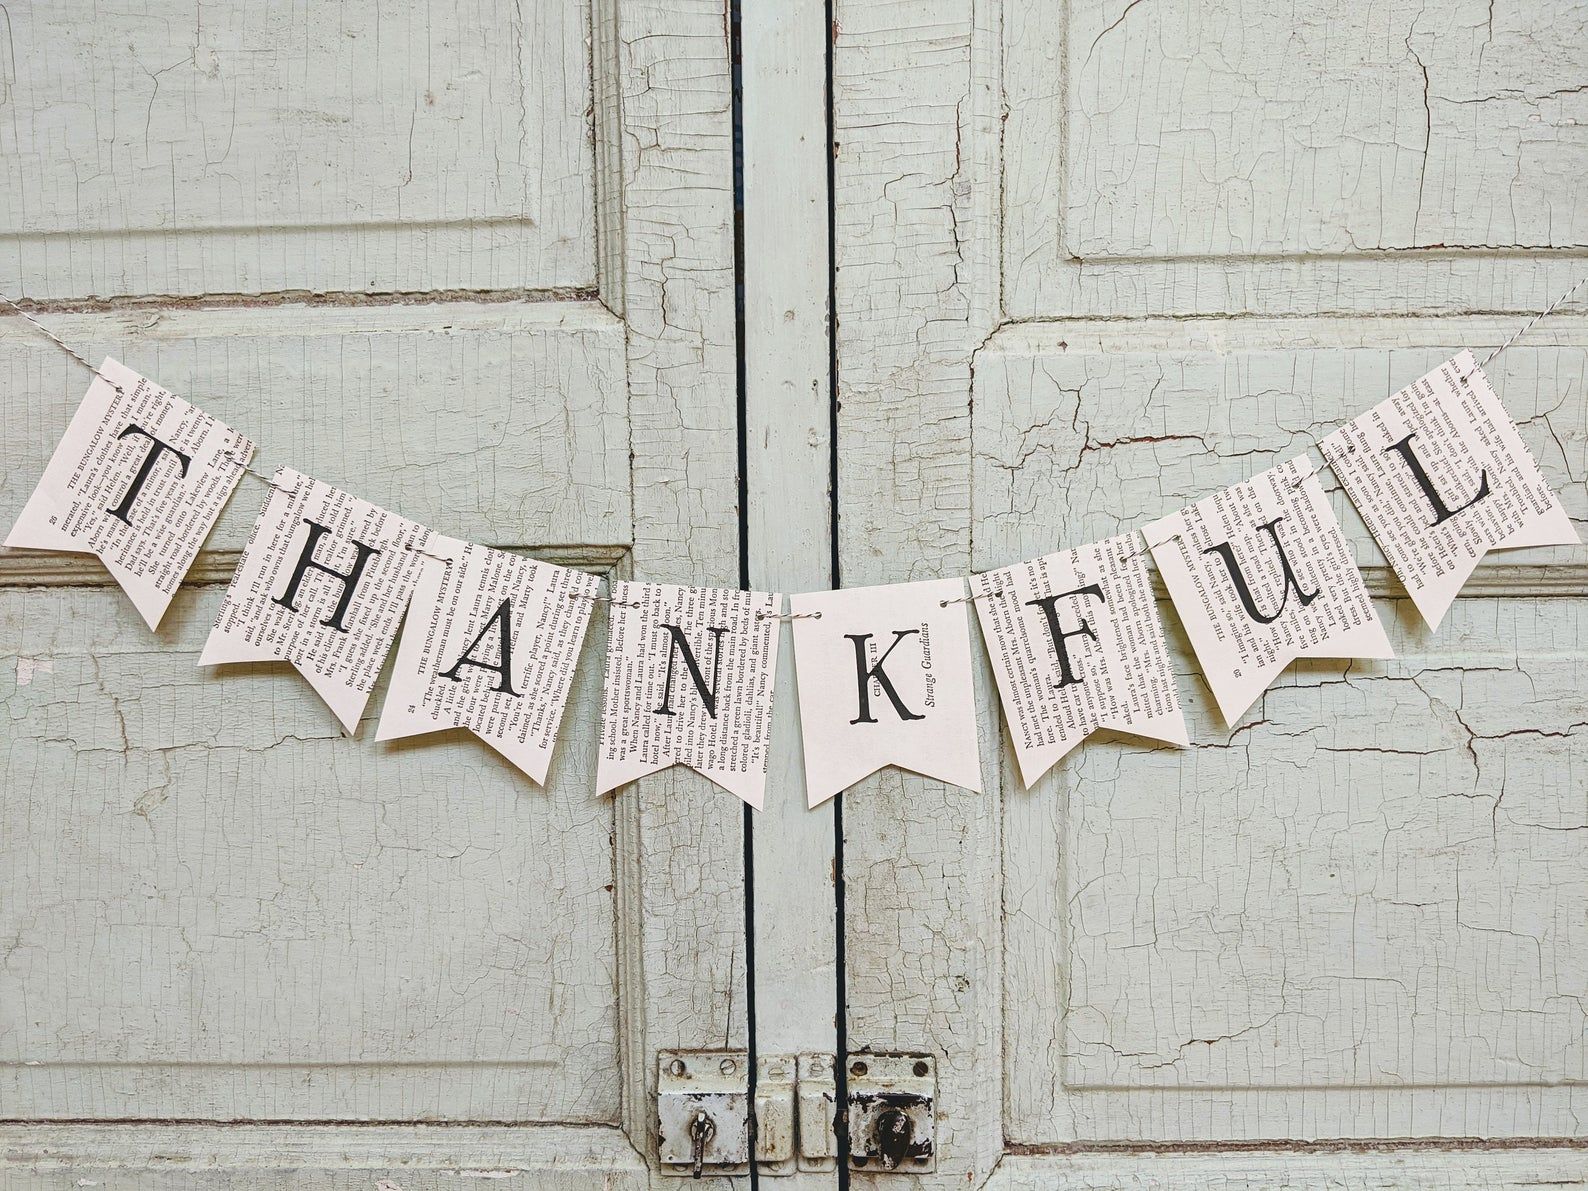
x,y
1533,322
60,343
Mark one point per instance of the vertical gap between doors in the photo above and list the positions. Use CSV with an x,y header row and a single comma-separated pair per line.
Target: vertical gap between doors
x,y
841,1025
736,103
841,1066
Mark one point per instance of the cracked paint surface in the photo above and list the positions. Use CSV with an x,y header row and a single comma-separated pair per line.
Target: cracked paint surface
x,y
1212,129
215,904
187,150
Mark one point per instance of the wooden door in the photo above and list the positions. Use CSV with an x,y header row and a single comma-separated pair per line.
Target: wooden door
x,y
475,263
1095,259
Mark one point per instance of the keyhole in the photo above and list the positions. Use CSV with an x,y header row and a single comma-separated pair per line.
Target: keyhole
x,y
895,1133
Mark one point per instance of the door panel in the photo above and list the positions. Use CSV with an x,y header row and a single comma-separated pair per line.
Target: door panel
x,y
1202,158
222,908
211,907
503,423
1095,261
220,148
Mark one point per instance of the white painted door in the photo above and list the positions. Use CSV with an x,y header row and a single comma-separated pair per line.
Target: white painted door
x,y
474,262
1096,258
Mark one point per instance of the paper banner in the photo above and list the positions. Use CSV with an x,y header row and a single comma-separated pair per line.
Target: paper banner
x,y
1441,476
1261,575
885,678
490,644
1076,646
138,479
689,681
322,584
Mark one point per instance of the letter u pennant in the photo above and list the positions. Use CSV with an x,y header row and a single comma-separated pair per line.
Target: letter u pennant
x,y
138,479
885,679
689,680
1261,575
1441,476
323,584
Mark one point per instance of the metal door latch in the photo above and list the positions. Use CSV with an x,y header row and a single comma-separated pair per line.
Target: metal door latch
x,y
818,1097
703,1112
774,1114
893,1112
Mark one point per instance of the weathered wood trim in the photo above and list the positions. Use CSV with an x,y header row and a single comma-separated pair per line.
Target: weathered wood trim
x,y
29,568
343,1155
607,140
1296,1169
93,325
916,120
680,843
787,439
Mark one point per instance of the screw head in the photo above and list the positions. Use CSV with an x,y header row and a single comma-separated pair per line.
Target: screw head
x,y
921,1067
858,1068
727,1066
676,1067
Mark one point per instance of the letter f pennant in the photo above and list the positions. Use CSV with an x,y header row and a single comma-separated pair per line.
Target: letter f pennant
x,y
689,680
1076,644
1261,575
1441,476
138,479
323,584
885,679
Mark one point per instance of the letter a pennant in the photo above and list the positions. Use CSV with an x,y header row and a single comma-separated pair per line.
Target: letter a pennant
x,y
323,584
689,680
138,479
885,679
490,645
1441,476
1261,575
1076,644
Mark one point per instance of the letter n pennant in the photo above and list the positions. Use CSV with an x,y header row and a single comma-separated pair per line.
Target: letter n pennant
x,y
138,479
1076,644
491,643
1261,575
885,679
1441,476
689,680
323,584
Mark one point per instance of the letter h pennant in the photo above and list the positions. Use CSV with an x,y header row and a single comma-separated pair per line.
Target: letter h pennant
x,y
1261,575
1441,476
885,679
138,479
323,583
689,678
